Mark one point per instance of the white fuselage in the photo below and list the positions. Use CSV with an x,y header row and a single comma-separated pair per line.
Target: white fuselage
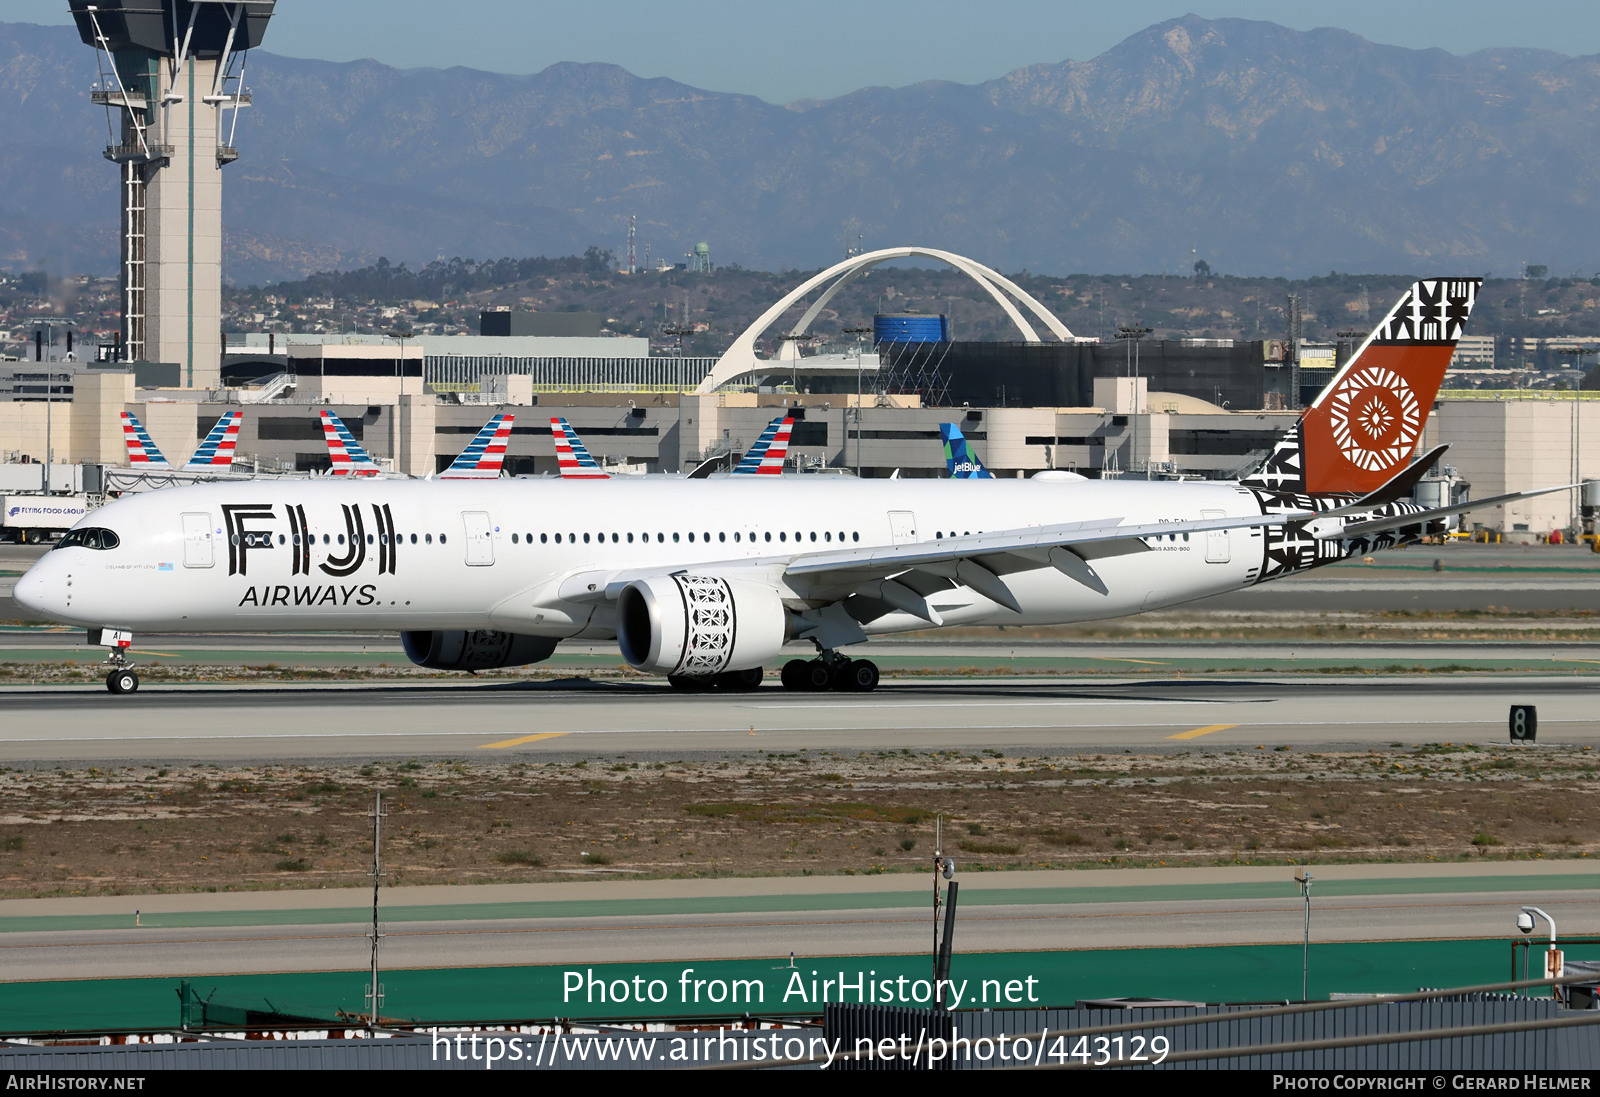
x,y
513,555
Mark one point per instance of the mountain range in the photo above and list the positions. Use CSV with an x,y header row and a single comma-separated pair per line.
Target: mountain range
x,y
1256,148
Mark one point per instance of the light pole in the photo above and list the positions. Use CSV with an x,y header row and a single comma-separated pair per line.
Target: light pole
x,y
1576,433
858,333
401,334
1304,880
50,324
1133,335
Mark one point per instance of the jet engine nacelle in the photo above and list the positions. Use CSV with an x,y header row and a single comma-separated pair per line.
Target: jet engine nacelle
x,y
475,649
699,625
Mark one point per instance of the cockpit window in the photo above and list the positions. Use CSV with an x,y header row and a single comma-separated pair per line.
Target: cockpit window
x,y
89,538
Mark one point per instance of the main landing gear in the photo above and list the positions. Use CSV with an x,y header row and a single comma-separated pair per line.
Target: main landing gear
x,y
840,673
811,675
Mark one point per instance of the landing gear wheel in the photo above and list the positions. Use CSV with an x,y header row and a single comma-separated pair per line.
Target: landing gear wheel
x,y
688,684
858,676
817,677
739,681
794,673
122,681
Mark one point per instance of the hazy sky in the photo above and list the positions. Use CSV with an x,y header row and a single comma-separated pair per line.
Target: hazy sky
x,y
821,48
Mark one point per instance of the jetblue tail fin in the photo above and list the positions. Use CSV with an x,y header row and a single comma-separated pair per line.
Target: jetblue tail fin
x,y
1360,431
349,459
959,460
142,451
484,455
766,457
216,452
572,456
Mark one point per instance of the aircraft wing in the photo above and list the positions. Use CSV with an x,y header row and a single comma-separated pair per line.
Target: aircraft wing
x,y
977,560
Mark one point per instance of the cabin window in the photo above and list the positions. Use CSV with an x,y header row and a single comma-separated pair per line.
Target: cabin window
x,y
544,538
660,537
855,536
691,537
586,538
441,538
280,538
513,538
813,535
674,538
827,535
630,538
768,536
721,537
428,537
614,538
327,540
413,538
782,536
341,538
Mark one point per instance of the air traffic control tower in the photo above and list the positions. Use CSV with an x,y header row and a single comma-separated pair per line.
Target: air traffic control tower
x,y
172,82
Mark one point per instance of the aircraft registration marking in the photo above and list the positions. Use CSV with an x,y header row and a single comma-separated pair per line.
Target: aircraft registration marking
x,y
1197,732
524,739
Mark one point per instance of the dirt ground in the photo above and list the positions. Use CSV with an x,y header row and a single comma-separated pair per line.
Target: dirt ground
x,y
142,829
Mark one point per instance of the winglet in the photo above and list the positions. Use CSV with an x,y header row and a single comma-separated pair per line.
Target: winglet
x,y
572,456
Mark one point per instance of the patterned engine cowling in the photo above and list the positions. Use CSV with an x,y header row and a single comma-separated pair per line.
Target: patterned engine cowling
x,y
475,649
699,625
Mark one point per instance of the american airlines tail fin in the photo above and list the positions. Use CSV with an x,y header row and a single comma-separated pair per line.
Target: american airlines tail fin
x,y
484,455
572,456
216,452
142,451
1360,431
349,459
766,457
959,460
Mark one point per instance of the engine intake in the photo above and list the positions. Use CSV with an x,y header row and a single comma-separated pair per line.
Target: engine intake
x,y
475,649
699,625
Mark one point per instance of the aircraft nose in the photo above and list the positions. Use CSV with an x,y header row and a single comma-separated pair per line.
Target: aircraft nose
x,y
33,590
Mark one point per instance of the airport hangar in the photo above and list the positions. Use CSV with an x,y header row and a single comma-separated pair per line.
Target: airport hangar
x,y
1196,408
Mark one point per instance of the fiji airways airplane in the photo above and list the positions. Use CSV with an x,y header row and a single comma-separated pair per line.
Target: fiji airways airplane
x,y
704,582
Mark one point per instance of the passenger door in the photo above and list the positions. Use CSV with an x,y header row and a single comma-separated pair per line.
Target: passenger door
x,y
480,538
197,541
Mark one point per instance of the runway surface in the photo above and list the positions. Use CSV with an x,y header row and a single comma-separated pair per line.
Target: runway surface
x,y
576,719
1363,903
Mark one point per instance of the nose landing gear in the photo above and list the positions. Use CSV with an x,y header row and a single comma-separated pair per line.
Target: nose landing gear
x,y
120,677
122,681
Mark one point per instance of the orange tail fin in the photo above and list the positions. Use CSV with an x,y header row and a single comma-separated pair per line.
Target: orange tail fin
x,y
1363,428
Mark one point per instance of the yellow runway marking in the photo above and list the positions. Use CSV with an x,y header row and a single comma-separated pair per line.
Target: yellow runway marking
x,y
524,739
1146,662
167,654
1197,732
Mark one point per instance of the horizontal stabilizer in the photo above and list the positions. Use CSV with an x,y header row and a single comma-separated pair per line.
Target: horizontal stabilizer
x,y
1396,489
1401,521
